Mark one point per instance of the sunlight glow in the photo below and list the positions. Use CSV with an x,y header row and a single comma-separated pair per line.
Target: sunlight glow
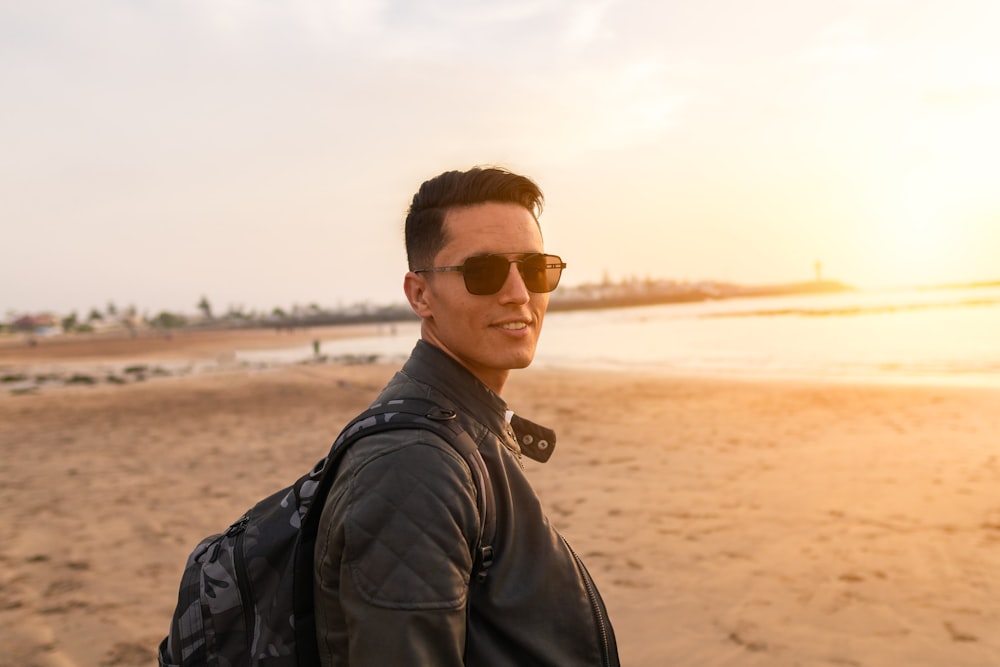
x,y
942,181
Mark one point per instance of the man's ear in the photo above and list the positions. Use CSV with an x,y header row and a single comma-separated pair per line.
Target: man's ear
x,y
416,289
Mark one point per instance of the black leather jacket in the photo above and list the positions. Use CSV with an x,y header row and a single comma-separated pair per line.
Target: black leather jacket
x,y
394,549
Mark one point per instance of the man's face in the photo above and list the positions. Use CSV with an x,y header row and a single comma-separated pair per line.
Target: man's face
x,y
488,334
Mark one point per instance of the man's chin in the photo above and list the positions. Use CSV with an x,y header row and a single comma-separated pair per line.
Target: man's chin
x,y
522,361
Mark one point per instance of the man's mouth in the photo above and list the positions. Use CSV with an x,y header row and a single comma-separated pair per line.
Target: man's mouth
x,y
513,326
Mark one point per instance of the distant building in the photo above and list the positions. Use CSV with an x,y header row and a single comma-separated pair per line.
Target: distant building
x,y
36,325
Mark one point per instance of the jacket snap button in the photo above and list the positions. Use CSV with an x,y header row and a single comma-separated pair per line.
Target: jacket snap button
x,y
543,444
528,439
441,414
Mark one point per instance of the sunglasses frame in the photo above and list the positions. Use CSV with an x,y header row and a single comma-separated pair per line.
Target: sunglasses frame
x,y
523,257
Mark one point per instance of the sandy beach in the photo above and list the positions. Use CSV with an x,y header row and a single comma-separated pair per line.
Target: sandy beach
x,y
727,522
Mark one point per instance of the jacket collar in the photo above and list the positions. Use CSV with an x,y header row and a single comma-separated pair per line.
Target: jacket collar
x,y
431,366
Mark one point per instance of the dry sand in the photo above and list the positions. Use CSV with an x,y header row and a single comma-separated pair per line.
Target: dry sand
x,y
152,345
727,522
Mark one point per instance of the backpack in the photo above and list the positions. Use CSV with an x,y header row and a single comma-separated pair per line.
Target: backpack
x,y
246,595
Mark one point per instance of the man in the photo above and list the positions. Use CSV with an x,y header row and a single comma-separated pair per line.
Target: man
x,y
396,588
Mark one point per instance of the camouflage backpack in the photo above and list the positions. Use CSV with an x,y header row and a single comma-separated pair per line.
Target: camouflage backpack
x,y
246,594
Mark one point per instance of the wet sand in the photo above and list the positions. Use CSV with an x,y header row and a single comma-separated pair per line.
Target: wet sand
x,y
728,522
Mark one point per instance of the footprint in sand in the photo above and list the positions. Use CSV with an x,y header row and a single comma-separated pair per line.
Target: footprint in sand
x,y
957,635
33,643
751,645
60,586
128,653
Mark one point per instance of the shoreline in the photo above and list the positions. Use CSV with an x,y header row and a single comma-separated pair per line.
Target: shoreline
x,y
47,373
670,343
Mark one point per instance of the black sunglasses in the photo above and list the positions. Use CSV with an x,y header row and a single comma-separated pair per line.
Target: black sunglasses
x,y
486,274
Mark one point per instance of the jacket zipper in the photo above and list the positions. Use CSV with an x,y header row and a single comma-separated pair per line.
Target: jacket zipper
x,y
238,530
595,605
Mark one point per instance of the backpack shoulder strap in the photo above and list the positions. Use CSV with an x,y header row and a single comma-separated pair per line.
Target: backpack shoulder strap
x,y
427,415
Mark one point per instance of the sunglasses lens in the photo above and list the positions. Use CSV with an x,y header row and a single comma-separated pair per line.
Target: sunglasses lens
x,y
538,277
485,274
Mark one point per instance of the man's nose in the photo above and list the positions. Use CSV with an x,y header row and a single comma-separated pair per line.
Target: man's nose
x,y
514,290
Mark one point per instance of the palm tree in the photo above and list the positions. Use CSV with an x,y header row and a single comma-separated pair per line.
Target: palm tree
x,y
205,307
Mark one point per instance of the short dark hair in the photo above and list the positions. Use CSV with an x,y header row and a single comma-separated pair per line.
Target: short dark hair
x,y
424,229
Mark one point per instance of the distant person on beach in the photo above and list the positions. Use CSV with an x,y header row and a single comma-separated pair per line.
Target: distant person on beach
x,y
394,570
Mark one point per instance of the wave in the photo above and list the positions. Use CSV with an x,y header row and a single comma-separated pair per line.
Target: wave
x,y
855,310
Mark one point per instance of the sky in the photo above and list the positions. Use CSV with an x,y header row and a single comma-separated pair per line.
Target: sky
x,y
262,154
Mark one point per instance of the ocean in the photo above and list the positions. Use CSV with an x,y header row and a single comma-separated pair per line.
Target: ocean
x,y
939,336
